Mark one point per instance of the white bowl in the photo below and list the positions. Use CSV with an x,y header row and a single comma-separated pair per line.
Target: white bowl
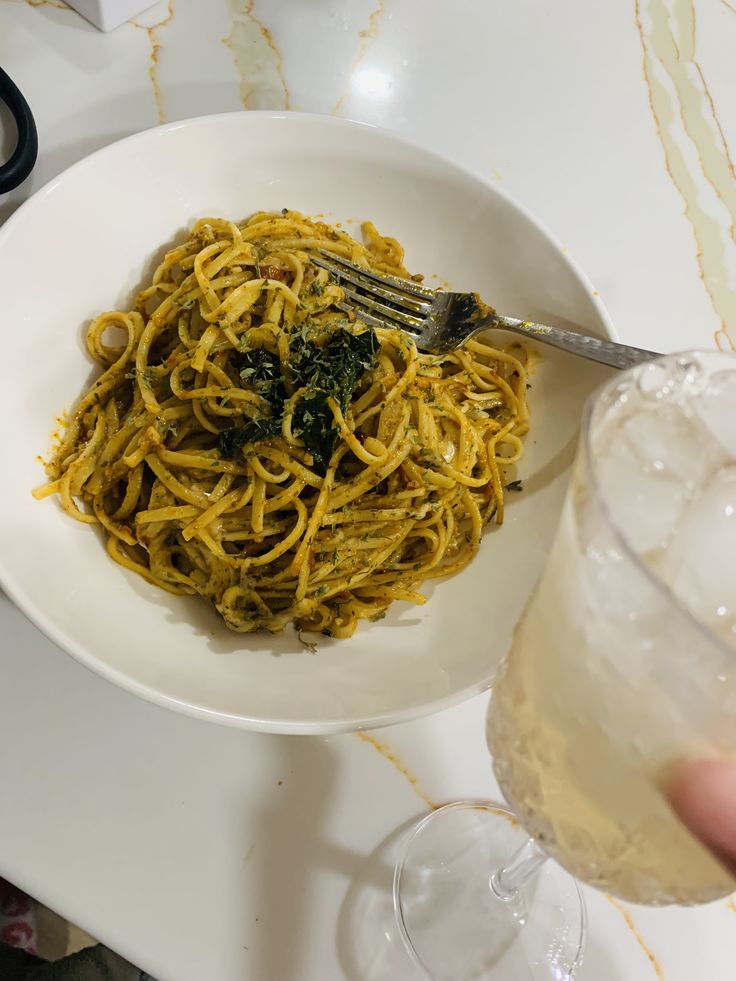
x,y
85,242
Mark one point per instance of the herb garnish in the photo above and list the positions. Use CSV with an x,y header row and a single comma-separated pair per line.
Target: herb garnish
x,y
330,369
231,441
261,371
515,485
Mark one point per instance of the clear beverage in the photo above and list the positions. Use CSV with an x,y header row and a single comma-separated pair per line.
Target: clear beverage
x,y
624,662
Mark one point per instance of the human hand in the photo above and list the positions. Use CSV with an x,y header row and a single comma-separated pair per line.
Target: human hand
x,y
703,795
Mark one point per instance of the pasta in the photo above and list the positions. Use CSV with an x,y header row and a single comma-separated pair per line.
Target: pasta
x,y
249,442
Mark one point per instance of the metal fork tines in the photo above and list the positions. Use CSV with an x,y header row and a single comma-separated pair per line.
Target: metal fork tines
x,y
382,301
441,322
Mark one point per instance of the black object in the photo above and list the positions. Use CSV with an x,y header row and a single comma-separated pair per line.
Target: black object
x,y
21,163
91,964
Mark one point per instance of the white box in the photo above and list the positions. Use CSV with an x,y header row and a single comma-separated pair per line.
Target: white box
x,y
108,14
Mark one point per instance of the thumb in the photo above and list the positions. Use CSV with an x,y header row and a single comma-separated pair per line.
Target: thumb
x,y
703,795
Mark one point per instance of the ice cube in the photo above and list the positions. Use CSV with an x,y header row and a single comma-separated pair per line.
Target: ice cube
x,y
716,407
668,439
699,563
649,464
677,377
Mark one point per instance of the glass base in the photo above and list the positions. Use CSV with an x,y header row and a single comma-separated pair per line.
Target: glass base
x,y
453,924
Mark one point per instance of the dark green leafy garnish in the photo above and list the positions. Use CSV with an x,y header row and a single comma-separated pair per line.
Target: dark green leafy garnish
x,y
514,485
261,372
336,366
330,369
313,422
231,441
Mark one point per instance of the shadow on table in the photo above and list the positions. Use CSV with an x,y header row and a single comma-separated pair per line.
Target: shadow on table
x,y
286,857
294,867
369,946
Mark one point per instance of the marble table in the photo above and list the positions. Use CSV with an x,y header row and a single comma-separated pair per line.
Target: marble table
x,y
210,854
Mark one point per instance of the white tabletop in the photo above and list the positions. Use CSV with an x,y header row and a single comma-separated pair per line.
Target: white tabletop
x,y
210,854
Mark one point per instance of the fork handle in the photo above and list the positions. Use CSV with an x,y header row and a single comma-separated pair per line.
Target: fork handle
x,y
605,352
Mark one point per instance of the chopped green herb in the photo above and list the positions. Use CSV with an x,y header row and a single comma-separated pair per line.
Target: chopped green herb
x,y
313,421
332,369
164,427
310,645
231,441
147,376
261,372
317,287
515,485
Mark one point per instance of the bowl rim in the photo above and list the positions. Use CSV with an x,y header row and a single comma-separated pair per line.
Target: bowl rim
x,y
31,609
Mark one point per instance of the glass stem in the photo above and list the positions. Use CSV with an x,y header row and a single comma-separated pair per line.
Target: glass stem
x,y
520,868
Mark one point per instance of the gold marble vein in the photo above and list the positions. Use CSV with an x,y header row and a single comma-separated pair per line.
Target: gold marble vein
x,y
367,36
257,59
56,4
629,921
155,43
388,754
697,156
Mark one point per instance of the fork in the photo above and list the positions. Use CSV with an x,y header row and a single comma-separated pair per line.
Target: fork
x,y
440,322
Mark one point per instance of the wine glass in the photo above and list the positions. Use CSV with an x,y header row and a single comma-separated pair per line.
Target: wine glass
x,y
622,667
